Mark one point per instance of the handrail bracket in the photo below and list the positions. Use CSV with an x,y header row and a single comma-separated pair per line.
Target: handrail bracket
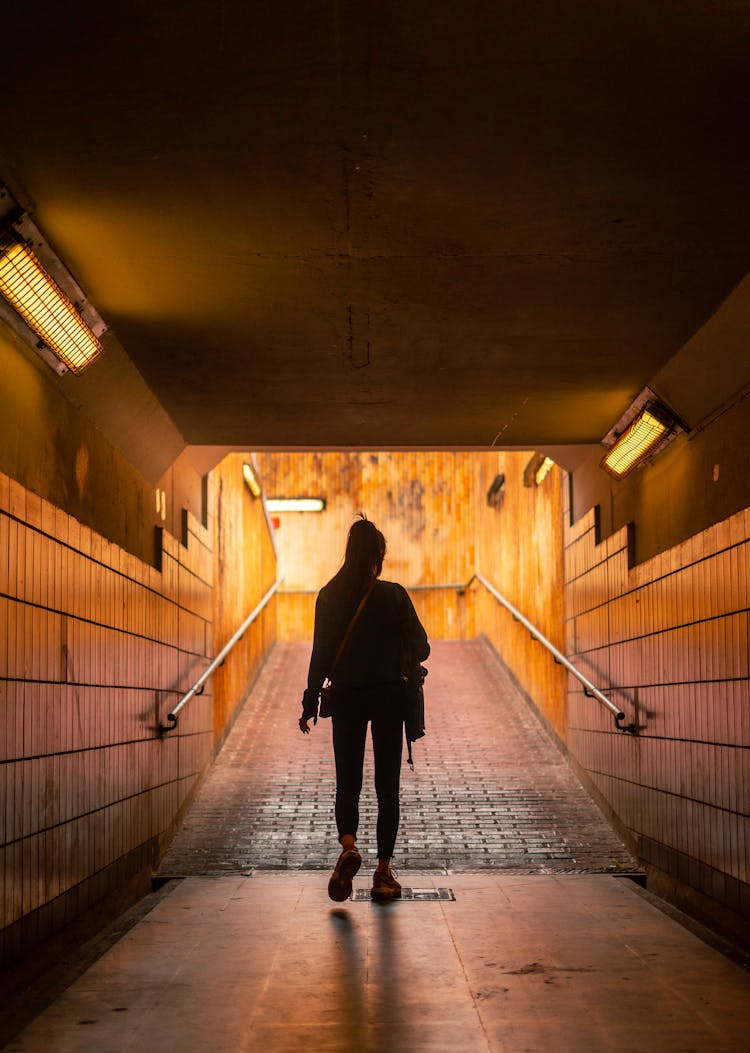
x,y
632,729
200,685
164,728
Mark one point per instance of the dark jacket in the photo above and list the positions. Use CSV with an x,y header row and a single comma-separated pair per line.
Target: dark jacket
x,y
373,654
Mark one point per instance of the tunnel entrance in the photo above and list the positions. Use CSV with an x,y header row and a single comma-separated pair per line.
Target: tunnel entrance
x,y
490,789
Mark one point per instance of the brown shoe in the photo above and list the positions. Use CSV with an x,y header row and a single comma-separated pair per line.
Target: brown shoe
x,y
385,886
340,882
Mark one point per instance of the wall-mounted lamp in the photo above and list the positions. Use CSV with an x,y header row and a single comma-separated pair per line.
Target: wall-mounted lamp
x,y
251,479
49,309
537,470
647,431
295,504
161,503
543,470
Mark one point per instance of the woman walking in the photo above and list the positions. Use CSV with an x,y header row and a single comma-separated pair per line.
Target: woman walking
x,y
377,625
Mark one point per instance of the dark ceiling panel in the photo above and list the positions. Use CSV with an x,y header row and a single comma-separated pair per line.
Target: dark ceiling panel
x,y
379,223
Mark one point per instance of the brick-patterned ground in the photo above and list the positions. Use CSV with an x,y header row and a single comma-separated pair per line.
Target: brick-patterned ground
x,y
490,790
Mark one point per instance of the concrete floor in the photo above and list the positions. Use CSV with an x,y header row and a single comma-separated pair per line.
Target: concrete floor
x,y
516,963
244,951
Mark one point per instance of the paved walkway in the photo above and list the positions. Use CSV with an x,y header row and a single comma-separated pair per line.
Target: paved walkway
x,y
516,964
519,952
490,790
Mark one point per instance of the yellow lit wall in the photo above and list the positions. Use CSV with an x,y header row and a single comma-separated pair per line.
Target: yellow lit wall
x,y
423,503
245,564
519,550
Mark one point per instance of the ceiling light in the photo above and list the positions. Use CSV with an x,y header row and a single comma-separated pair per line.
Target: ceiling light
x,y
251,479
44,307
295,504
641,438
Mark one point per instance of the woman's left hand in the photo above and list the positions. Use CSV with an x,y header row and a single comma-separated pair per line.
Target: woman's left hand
x,y
304,726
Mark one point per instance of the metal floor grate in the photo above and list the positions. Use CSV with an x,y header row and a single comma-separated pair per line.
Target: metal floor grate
x,y
362,894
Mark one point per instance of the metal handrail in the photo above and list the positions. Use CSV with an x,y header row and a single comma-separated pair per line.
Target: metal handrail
x,y
452,585
199,685
588,687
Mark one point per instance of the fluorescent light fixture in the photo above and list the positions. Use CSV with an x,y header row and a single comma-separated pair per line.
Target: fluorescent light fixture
x,y
543,470
537,469
295,504
45,308
251,479
642,437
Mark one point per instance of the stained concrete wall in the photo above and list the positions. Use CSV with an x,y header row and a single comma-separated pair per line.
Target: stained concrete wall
x,y
423,503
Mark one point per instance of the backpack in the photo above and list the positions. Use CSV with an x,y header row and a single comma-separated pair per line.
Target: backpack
x,y
413,673
414,727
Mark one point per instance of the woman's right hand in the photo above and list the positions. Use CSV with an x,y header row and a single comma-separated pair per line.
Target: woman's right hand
x,y
304,726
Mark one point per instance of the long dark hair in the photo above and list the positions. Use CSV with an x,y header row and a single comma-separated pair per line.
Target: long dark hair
x,y
363,558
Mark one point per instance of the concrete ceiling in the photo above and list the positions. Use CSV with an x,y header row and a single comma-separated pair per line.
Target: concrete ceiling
x,y
383,224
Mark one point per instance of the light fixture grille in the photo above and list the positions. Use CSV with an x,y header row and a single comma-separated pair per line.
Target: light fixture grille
x,y
251,479
295,504
537,470
636,442
45,308
543,470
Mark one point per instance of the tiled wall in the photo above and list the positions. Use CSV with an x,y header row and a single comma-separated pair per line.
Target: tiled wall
x,y
244,570
669,640
519,551
95,648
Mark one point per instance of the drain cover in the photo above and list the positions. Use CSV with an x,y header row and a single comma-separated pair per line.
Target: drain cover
x,y
410,893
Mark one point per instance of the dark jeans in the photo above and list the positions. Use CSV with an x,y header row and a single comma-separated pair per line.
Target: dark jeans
x,y
352,711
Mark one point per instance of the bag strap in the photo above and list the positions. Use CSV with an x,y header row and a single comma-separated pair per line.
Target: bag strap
x,y
351,625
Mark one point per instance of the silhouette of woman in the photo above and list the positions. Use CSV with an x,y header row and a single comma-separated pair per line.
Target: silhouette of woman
x,y
367,688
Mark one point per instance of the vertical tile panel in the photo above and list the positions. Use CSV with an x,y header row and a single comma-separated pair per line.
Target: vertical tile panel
x,y
683,635
82,688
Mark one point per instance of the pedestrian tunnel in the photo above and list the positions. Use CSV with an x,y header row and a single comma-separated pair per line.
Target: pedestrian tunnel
x,y
586,716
